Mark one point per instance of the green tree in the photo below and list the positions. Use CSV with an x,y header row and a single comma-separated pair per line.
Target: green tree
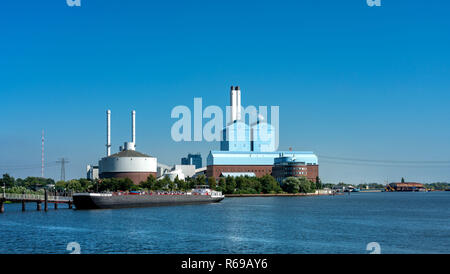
x,y
222,185
61,185
149,183
230,185
7,181
200,180
74,185
254,184
164,183
318,183
212,182
22,190
171,184
115,184
191,183
290,185
85,184
298,185
403,180
179,184
241,183
305,186
269,184
35,182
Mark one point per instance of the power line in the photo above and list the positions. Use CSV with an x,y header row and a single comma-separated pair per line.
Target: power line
x,y
34,166
385,165
382,161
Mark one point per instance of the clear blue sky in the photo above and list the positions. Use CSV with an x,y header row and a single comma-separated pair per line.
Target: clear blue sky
x,y
351,81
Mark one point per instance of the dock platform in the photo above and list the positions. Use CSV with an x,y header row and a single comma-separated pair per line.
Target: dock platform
x,y
33,198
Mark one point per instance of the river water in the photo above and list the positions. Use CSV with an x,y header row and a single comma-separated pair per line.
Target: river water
x,y
398,222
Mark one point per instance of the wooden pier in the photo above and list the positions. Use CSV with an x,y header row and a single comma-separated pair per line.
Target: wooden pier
x,y
31,198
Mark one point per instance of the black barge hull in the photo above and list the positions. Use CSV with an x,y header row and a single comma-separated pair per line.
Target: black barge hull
x,y
102,201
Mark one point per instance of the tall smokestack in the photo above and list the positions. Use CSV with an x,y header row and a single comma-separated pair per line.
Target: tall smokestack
x,y
133,127
108,132
233,104
238,103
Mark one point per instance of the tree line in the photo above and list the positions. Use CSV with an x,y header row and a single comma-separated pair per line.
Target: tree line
x,y
229,185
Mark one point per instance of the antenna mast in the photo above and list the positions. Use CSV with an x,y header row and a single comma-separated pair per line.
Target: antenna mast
x,y
42,155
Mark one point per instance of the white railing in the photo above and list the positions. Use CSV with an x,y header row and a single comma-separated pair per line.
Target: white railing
x,y
59,198
13,196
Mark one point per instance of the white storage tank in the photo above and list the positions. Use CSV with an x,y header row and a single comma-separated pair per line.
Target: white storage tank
x,y
127,163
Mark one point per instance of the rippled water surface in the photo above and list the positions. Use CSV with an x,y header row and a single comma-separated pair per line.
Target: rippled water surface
x,y
399,222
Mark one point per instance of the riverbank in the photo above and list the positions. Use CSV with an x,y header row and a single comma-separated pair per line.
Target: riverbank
x,y
280,195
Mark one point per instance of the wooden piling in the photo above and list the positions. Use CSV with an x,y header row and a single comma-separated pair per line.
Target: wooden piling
x,y
70,205
23,205
2,207
56,206
38,206
45,200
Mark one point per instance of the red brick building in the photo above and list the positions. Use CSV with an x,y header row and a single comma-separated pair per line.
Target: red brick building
x,y
217,170
264,163
290,167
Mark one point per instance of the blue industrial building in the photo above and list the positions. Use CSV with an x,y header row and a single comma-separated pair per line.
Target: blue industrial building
x,y
193,159
252,149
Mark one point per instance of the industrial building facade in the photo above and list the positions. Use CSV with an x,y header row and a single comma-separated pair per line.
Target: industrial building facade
x,y
250,149
294,167
128,164
262,163
193,159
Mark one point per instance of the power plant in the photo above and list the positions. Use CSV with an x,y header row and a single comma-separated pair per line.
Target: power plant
x,y
127,163
242,151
